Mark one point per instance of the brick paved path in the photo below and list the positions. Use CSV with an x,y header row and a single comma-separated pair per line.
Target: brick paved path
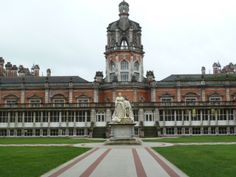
x,y
118,161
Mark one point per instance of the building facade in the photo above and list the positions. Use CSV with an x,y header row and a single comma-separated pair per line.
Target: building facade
x,y
196,104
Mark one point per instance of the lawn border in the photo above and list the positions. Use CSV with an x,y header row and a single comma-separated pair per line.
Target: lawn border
x,y
68,163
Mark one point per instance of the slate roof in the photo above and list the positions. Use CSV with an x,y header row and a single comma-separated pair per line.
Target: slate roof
x,y
41,80
200,77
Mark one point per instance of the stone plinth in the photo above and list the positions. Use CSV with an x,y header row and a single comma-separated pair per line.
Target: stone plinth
x,y
122,134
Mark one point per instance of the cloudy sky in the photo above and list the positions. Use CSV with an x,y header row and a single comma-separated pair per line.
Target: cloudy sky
x,y
69,36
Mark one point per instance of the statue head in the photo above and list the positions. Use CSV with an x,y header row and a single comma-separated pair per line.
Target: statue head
x,y
119,94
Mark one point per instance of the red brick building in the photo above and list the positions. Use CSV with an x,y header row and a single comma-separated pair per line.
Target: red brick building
x,y
32,105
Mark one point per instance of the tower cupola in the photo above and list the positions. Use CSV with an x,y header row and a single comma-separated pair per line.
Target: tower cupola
x,y
124,9
124,49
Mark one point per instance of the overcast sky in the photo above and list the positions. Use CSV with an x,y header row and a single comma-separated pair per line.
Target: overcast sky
x,y
69,36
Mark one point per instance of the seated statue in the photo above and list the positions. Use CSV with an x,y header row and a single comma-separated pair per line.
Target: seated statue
x,y
123,111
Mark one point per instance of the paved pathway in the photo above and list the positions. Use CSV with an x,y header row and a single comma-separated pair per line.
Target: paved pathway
x,y
118,161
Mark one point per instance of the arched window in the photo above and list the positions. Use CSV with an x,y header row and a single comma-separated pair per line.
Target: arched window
x,y
215,98
11,101
124,65
58,100
136,66
124,44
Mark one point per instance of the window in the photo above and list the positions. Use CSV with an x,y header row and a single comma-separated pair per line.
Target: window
x,y
63,116
58,102
83,101
196,114
124,65
54,116
231,129
11,103
179,115
12,116
230,114
135,115
179,131
29,116
169,115
124,44
3,132
215,100
37,132
222,115
37,116
70,116
196,130
45,116
136,66
100,117
170,131
149,117
186,131
80,132
190,100
35,103
205,114
112,77
213,130
186,115
28,132
205,130
80,116
166,100
222,130
124,76
54,132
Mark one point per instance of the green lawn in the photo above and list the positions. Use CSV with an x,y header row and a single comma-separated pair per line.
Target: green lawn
x,y
34,161
46,140
194,139
204,160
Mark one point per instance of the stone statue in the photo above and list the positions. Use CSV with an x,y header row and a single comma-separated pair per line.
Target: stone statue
x,y
123,111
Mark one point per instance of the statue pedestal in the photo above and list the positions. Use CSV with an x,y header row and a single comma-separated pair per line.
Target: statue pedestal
x,y
122,134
